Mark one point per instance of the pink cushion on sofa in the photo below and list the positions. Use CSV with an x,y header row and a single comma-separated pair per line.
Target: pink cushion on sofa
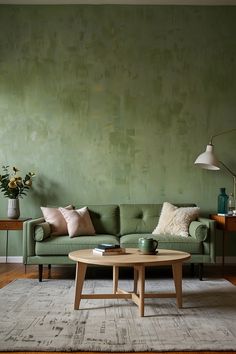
x,y
55,219
78,222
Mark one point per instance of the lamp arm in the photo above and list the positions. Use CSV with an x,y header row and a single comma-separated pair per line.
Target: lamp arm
x,y
234,181
224,132
228,169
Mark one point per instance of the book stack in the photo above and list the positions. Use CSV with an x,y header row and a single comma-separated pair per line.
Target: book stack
x,y
108,249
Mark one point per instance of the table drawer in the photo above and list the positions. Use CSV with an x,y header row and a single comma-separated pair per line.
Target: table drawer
x,y
231,224
11,225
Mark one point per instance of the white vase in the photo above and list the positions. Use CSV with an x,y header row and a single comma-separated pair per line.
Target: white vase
x,y
13,210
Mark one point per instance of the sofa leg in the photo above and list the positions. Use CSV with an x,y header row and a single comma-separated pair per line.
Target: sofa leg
x,y
200,270
40,272
192,270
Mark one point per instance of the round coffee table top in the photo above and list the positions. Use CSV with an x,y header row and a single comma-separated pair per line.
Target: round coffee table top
x,y
131,257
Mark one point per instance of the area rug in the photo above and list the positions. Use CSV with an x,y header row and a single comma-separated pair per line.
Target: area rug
x,y
40,317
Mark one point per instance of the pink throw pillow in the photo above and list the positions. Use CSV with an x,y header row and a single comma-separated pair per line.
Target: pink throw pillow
x,y
78,222
55,219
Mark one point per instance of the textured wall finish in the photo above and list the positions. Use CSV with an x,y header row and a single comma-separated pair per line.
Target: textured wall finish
x,y
112,104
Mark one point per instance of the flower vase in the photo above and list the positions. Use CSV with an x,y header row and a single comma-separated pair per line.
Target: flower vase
x,y
13,210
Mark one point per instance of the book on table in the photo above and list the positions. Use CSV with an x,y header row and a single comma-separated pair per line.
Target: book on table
x,y
108,250
108,246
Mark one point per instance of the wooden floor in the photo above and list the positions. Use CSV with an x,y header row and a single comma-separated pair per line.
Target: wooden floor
x,y
10,272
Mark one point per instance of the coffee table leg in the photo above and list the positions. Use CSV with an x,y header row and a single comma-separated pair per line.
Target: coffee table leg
x,y
141,288
115,279
177,275
135,279
79,281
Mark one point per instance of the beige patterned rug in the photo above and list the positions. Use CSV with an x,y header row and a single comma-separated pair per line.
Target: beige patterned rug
x,y
40,317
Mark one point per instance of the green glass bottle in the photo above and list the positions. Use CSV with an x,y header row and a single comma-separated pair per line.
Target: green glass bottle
x,y
222,202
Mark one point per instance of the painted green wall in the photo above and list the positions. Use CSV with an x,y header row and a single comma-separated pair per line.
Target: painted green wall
x,y
112,104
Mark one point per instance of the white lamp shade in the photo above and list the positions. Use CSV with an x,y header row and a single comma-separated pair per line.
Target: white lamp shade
x,y
207,159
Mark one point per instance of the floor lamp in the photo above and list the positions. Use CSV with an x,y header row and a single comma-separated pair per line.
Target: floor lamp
x,y
208,161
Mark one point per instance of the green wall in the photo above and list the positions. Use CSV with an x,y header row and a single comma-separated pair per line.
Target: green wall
x,y
112,104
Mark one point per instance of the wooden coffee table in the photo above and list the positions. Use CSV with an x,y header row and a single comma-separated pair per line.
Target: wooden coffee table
x,y
138,261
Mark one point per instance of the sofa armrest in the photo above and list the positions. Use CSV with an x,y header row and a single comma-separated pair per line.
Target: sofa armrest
x,y
210,243
28,237
198,230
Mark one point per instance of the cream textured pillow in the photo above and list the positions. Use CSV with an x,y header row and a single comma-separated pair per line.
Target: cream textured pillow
x,y
78,222
174,220
55,219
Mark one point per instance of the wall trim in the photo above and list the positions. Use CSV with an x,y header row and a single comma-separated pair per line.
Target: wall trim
x,y
19,259
119,2
228,260
11,259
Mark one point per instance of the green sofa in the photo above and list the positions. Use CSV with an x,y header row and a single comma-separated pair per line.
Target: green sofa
x,y
120,224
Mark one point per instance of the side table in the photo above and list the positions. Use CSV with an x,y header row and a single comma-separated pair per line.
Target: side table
x,y
9,225
226,223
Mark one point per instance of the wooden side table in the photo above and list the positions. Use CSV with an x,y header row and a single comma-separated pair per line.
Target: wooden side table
x,y
226,223
9,225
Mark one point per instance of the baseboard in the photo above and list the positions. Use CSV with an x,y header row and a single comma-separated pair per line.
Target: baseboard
x,y
11,259
19,259
228,260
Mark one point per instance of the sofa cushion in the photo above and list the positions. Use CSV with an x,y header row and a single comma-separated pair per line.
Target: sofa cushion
x,y
174,220
56,220
105,218
138,217
78,222
141,217
61,246
179,243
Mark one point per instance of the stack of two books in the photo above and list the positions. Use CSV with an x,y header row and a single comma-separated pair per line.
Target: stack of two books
x,y
108,249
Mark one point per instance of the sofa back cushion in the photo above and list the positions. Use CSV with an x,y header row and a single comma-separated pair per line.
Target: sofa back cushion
x,y
105,218
141,218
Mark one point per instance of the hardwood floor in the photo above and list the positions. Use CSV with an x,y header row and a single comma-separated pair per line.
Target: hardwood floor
x,y
11,271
